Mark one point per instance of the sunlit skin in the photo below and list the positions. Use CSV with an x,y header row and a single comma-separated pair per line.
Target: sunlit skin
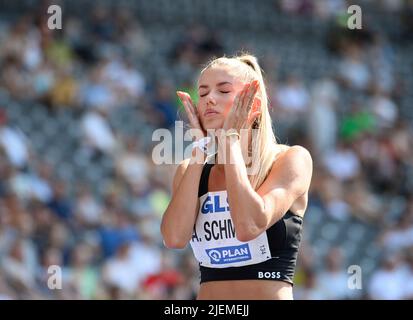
x,y
228,103
217,90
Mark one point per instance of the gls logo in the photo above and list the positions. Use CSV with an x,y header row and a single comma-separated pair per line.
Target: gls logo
x,y
269,275
214,204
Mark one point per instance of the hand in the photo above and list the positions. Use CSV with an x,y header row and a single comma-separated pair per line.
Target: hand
x,y
197,156
241,116
191,111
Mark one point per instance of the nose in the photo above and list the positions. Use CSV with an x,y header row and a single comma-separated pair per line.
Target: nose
x,y
211,101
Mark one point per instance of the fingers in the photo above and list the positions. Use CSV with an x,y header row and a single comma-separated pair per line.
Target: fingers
x,y
237,101
187,102
189,113
244,96
252,90
189,108
188,98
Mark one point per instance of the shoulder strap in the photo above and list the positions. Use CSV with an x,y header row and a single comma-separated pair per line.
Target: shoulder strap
x,y
203,182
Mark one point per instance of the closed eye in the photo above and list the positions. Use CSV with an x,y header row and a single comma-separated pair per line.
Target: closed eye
x,y
203,95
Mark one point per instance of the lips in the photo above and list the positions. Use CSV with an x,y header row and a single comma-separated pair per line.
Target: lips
x,y
210,112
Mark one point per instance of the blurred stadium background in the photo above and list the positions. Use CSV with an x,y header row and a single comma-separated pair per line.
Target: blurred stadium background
x,y
78,106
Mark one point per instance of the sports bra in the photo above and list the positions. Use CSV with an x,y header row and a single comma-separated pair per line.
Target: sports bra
x,y
221,256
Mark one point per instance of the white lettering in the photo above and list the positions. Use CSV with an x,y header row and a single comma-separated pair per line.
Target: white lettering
x,y
269,275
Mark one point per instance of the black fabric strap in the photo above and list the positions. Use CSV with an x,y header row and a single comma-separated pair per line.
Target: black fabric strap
x,y
203,182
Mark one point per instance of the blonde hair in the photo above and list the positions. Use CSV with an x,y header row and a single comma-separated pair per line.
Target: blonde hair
x,y
246,68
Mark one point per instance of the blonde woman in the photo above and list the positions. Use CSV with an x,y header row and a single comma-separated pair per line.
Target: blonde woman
x,y
244,229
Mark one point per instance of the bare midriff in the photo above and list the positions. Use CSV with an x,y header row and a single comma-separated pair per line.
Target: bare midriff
x,y
245,290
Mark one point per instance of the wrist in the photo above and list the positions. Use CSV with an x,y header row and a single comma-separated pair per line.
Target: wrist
x,y
202,149
228,137
197,156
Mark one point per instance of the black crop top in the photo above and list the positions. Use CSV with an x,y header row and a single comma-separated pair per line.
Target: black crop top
x,y
271,256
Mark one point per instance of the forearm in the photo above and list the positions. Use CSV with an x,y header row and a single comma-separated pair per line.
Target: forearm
x,y
179,218
246,205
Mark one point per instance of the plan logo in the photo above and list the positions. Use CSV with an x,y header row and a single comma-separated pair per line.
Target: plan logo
x,y
229,254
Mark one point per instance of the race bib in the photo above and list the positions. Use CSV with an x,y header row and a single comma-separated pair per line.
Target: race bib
x,y
214,242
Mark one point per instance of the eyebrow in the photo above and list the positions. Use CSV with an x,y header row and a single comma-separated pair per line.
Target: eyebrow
x,y
219,84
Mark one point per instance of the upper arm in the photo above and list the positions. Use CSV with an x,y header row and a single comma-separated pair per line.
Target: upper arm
x,y
289,179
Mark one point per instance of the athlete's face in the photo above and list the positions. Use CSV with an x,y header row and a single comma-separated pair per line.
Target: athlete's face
x,y
217,88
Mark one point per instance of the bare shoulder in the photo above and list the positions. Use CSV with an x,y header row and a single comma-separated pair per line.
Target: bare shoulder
x,y
293,154
293,161
292,171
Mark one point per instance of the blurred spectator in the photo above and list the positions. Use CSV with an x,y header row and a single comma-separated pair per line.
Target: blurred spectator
x,y
333,196
364,203
352,70
163,282
132,166
164,102
18,265
121,79
384,109
81,274
387,282
95,92
6,293
99,136
333,281
399,236
116,229
65,90
382,64
146,250
88,209
322,124
120,271
60,203
408,283
39,183
292,98
342,162
326,9
309,289
358,121
296,6
14,142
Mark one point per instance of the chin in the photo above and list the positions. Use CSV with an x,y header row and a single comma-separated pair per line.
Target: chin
x,y
213,125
